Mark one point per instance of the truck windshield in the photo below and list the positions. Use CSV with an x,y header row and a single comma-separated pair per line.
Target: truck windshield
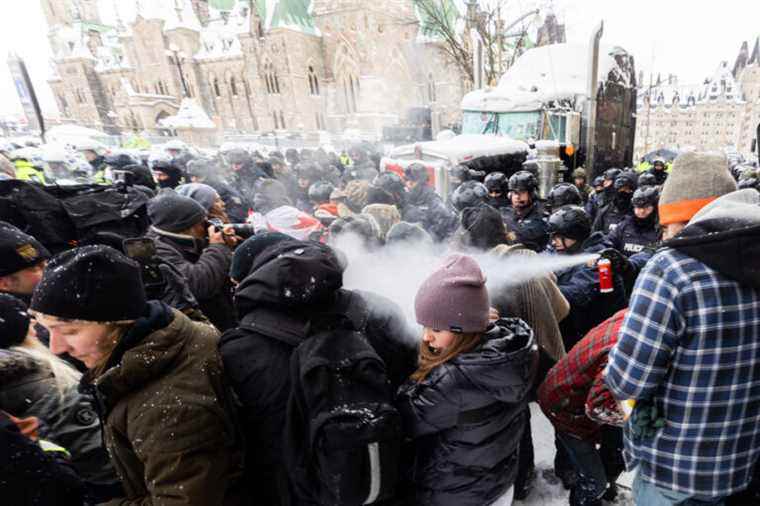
x,y
517,125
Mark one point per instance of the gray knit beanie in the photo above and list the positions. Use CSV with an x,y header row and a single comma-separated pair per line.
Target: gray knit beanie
x,y
695,180
199,192
454,297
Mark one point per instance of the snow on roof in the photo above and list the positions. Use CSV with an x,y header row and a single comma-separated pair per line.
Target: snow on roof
x,y
464,147
557,72
182,15
722,86
190,115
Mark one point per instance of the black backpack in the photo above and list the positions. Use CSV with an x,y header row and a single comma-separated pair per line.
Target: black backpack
x,y
343,435
36,212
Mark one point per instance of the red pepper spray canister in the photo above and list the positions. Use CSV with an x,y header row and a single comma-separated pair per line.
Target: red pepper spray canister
x,y
605,275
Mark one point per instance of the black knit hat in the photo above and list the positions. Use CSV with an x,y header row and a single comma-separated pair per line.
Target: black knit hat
x,y
14,321
93,283
18,251
172,212
248,250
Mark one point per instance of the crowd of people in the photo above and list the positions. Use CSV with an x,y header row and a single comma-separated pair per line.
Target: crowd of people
x,y
215,357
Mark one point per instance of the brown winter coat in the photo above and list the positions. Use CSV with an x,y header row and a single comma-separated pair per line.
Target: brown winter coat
x,y
169,435
538,301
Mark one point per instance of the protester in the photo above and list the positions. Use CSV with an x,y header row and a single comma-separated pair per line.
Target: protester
x,y
199,250
468,394
36,383
274,321
155,375
690,331
585,416
22,260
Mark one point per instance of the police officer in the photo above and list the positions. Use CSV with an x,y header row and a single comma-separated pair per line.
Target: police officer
x,y
641,229
424,205
619,206
563,194
525,216
26,167
93,152
603,197
570,232
497,184
659,171
580,180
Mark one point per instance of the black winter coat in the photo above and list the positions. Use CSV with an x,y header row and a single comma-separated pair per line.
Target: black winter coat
x,y
68,418
423,205
256,358
588,306
30,476
206,269
609,217
631,237
529,229
467,418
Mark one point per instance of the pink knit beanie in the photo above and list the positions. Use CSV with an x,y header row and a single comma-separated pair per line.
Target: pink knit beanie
x,y
454,297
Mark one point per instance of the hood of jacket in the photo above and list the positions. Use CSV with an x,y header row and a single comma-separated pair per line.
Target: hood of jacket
x,y
147,350
186,243
291,275
18,368
725,236
504,362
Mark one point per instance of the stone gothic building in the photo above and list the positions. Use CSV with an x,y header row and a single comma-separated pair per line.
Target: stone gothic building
x,y
252,65
723,112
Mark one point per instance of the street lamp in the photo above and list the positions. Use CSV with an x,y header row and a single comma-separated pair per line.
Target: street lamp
x,y
174,52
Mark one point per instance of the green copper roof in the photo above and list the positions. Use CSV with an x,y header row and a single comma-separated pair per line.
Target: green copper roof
x,y
293,14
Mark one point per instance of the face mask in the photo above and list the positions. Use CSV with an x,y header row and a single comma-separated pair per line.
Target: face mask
x,y
623,200
647,222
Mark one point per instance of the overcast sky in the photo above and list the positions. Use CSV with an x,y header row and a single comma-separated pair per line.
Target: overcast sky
x,y
684,37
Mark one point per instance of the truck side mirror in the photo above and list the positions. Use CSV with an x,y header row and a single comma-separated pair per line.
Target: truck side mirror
x,y
754,146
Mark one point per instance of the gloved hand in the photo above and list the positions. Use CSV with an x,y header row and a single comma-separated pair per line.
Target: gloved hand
x,y
176,293
646,420
620,263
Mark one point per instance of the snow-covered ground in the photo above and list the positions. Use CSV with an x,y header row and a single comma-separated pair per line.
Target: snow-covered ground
x,y
550,494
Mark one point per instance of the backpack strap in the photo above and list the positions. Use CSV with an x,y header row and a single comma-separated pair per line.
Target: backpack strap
x,y
276,325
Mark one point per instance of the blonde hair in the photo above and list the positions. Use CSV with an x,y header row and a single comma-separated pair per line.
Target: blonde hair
x,y
429,359
64,374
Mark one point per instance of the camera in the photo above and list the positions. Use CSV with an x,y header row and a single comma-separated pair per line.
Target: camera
x,y
123,177
242,230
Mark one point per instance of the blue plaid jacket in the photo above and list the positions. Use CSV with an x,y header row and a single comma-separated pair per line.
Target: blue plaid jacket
x,y
690,345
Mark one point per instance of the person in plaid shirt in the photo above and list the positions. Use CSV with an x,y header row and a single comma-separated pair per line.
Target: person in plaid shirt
x,y
688,351
584,413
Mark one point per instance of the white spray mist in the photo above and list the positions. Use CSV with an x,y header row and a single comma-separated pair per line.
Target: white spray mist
x,y
397,271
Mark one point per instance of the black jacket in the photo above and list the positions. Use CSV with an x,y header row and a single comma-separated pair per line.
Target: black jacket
x,y
68,418
610,216
631,237
30,476
529,229
588,306
423,205
467,417
206,269
256,355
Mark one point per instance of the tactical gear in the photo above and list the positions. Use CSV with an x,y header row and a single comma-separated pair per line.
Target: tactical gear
x,y
570,222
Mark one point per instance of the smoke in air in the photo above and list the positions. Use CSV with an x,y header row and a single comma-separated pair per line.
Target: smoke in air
x,y
396,272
